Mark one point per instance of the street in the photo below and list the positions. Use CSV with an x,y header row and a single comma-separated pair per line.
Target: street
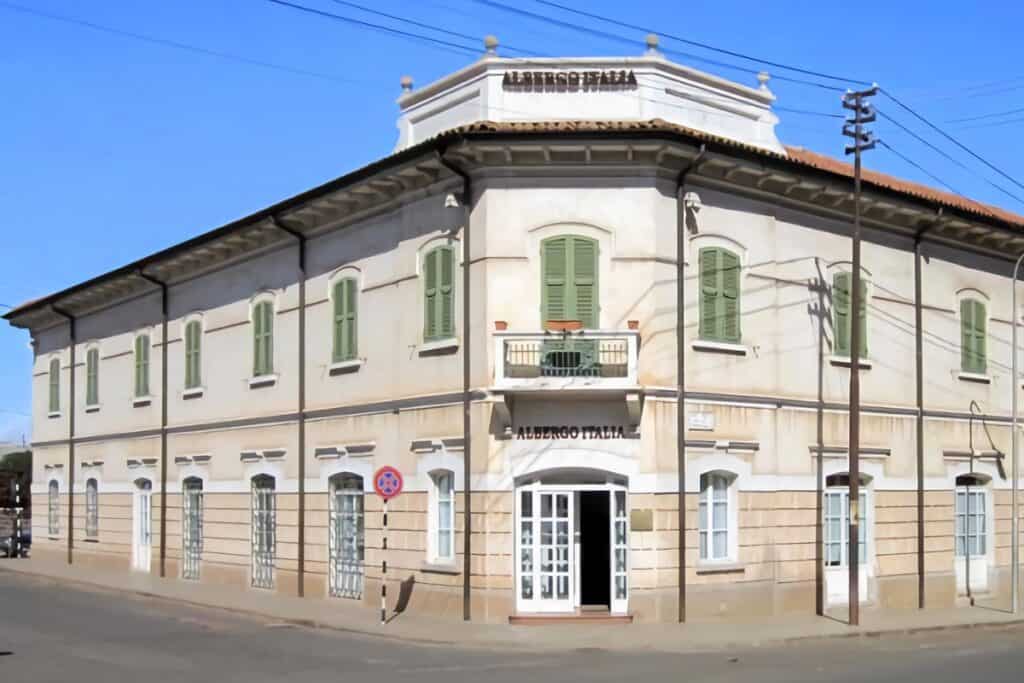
x,y
58,633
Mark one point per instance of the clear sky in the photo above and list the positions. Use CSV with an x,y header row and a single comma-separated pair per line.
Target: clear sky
x,y
113,147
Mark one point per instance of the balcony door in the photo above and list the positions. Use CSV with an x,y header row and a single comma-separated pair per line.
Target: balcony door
x,y
569,299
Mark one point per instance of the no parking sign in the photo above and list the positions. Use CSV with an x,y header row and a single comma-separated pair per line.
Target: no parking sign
x,y
387,482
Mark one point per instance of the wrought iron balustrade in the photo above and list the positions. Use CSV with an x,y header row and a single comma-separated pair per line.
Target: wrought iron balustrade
x,y
594,358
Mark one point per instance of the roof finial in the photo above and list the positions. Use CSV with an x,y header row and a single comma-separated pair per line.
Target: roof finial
x,y
491,46
763,77
406,82
652,44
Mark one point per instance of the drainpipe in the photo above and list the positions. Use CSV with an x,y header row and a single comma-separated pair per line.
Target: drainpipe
x,y
1015,504
680,370
466,435
163,418
72,333
301,238
919,377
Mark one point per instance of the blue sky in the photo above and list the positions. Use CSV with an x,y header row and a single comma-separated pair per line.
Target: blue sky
x,y
113,148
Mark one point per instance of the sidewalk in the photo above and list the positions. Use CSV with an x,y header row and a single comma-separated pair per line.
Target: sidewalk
x,y
344,616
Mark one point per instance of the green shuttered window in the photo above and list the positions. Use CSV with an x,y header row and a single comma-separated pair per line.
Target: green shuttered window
x,y
193,340
570,287
142,365
841,312
54,377
439,294
719,295
973,356
92,377
263,339
344,320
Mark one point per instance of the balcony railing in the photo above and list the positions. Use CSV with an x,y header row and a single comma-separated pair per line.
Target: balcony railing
x,y
561,360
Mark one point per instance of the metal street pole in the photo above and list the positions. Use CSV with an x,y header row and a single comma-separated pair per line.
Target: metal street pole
x,y
1014,505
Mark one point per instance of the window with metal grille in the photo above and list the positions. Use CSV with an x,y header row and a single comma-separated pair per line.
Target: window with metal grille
x,y
92,509
264,531
53,505
192,527
346,542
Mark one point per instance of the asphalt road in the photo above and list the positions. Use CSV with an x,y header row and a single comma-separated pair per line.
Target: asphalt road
x,y
50,632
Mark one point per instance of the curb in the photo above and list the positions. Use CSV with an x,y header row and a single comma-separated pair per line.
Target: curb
x,y
508,644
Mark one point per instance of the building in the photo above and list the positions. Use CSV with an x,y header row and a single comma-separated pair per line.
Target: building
x,y
215,411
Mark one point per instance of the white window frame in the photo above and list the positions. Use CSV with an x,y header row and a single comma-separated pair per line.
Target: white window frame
x,y
53,508
726,523
92,508
982,561
836,576
435,525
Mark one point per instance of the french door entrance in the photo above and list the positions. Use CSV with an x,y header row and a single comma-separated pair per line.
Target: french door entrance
x,y
142,525
572,548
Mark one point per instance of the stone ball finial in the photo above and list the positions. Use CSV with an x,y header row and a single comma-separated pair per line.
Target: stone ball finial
x,y
491,44
763,77
406,82
652,42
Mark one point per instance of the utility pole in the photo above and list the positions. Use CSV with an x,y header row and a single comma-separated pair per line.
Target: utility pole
x,y
862,113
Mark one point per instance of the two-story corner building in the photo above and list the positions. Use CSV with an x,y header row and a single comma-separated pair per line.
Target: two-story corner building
x,y
215,411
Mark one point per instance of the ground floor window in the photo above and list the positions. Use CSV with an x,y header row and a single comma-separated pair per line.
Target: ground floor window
x,y
713,516
192,527
92,509
142,545
264,531
442,517
347,545
971,518
837,528
53,508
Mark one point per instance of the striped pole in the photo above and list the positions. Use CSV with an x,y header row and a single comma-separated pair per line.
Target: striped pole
x,y
17,520
384,569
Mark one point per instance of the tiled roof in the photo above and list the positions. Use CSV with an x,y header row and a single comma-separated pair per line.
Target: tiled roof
x,y
797,155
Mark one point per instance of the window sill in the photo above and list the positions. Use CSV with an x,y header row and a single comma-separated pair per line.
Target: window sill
x,y
344,366
262,381
194,392
93,408
847,362
975,377
53,414
439,345
440,568
91,540
719,347
142,401
725,567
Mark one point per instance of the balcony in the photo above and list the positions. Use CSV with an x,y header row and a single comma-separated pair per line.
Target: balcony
x,y
584,360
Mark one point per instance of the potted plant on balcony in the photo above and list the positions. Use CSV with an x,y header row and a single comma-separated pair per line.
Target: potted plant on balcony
x,y
563,325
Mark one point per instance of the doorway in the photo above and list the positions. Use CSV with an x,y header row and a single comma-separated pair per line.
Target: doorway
x,y
595,549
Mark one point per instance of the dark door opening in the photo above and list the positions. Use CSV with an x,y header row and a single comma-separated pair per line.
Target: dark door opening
x,y
595,549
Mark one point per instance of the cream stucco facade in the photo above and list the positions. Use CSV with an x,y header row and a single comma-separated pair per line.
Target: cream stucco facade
x,y
544,436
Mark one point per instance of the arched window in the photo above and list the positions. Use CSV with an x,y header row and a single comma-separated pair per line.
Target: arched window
x,y
716,516
92,377
92,509
346,542
345,340
264,531
53,508
439,294
441,523
719,295
54,377
192,526
973,335
841,305
193,357
569,290
142,366
263,339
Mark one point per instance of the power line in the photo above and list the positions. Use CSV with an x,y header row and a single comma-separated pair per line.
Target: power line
x,y
629,41
987,116
956,142
463,49
946,155
175,44
919,167
993,124
706,46
429,27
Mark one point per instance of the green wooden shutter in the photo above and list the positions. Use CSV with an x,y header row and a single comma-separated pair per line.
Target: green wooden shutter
x,y
431,325
192,358
841,311
729,296
92,392
142,365
345,320
257,340
54,385
555,286
263,339
584,282
446,315
973,352
708,266
862,310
